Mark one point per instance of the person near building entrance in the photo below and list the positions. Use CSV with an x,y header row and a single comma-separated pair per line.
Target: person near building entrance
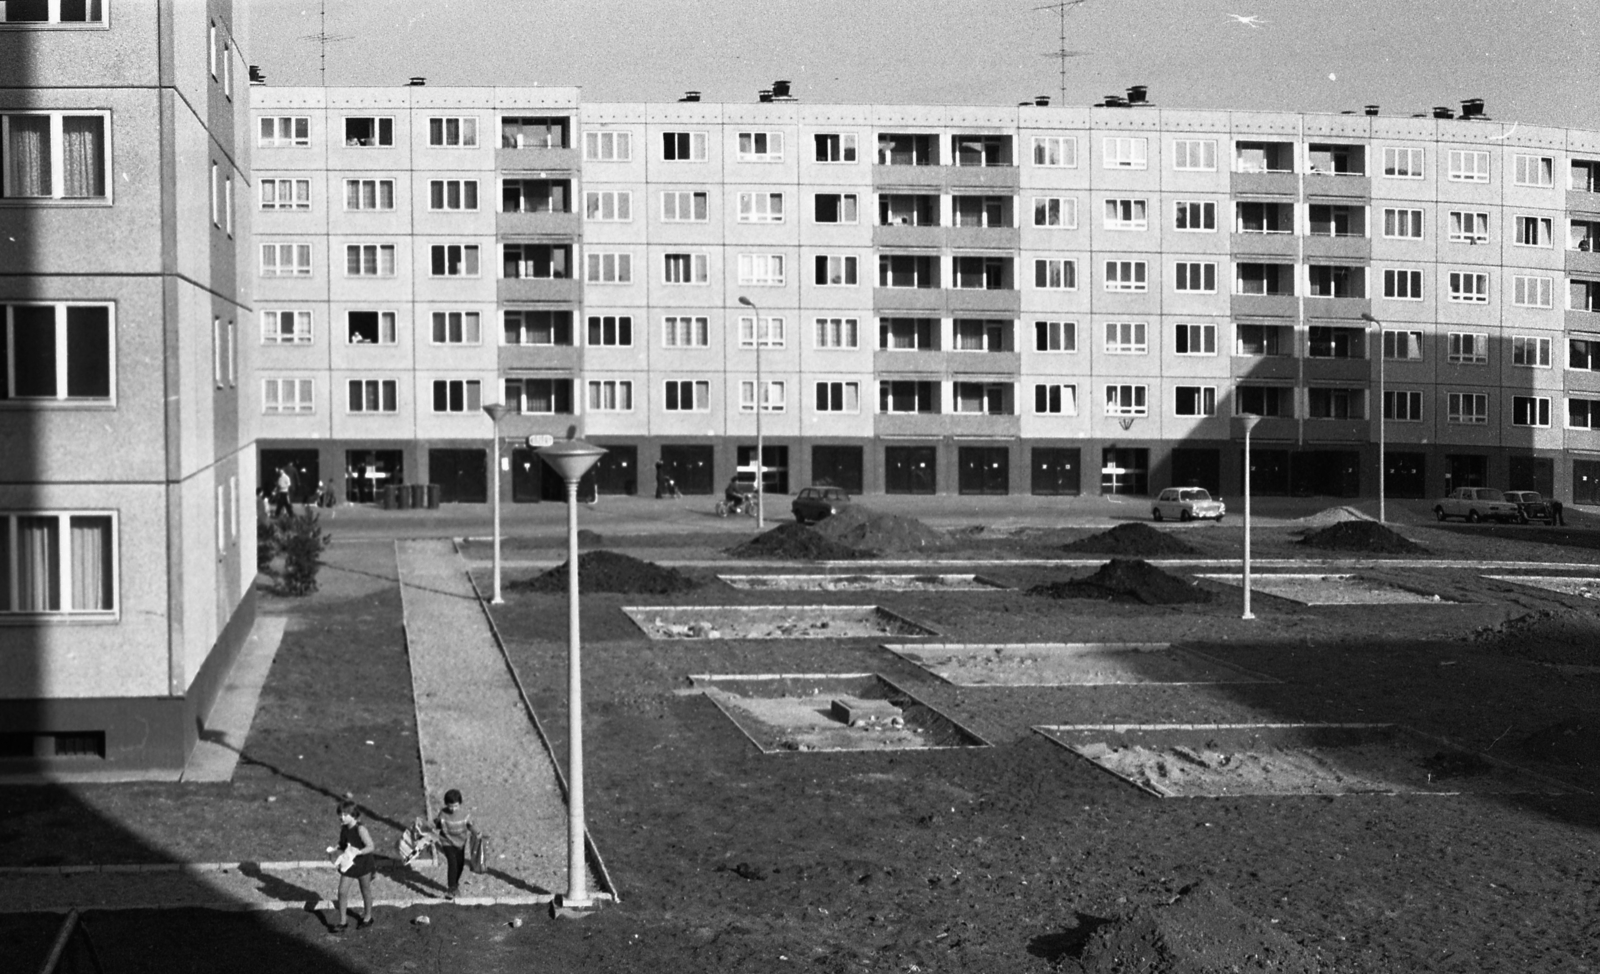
x,y
665,485
281,504
1557,512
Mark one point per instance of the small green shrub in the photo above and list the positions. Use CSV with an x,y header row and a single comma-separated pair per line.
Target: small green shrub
x,y
269,544
303,542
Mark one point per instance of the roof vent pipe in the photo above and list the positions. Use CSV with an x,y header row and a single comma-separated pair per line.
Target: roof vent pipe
x,y
690,96
1372,109
1472,108
1042,101
257,76
765,94
417,81
1136,94
1441,111
780,89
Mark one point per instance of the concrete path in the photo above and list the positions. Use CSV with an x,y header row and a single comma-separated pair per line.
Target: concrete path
x,y
215,759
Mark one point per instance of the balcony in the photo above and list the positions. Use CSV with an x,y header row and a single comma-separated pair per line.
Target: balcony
x,y
536,159
565,291
546,224
982,238
1340,308
911,300
975,366
1259,244
1270,428
909,424
1338,186
1265,367
1279,185
1356,371
1265,306
908,235
1338,247
999,301
981,424
960,178
1335,430
1583,262
543,358
920,363
1583,201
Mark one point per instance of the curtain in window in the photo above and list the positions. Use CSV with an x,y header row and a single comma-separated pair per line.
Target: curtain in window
x,y
83,156
91,563
27,155
38,564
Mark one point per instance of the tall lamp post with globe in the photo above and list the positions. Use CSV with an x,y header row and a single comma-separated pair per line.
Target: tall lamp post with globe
x,y
761,464
495,411
571,459
1382,518
1247,423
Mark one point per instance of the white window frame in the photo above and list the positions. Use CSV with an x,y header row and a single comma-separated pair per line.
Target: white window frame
x,y
273,332
1127,338
1056,337
292,249
63,354
762,270
388,326
826,387
1468,166
1541,289
1531,351
759,146
607,267
598,203
441,187
698,146
466,249
1185,271
1057,398
608,146
674,213
761,207
1398,340
836,333
1413,278
1403,162
1127,276
1459,232
466,135
697,265
1591,413
471,391
216,195
836,270
1467,408
1055,212
384,260
65,572
1124,152
609,395
685,331
1205,401
848,203
1055,151
1184,152
699,396
1055,269
1199,339
58,182
1542,227
774,397
299,197
1534,170
1469,287
846,145
1402,219
1127,399
774,332
1127,214
1185,212
360,186
1467,347
1392,408
470,327
285,132
620,326
380,384
377,131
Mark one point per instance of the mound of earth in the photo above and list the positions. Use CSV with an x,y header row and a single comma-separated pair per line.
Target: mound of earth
x,y
1199,932
1127,580
1568,742
796,541
610,571
1562,636
1132,538
1359,535
1330,517
862,527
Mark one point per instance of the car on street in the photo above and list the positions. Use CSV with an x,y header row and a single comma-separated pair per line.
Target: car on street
x,y
1531,506
1474,504
813,504
1187,504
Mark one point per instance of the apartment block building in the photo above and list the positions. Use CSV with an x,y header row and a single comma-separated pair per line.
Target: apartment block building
x,y
920,299
126,528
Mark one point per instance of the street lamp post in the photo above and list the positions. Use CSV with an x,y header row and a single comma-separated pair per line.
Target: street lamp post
x,y
495,411
1247,423
1382,513
571,459
761,466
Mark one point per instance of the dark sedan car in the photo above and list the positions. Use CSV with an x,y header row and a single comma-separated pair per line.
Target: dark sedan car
x,y
815,503
1531,507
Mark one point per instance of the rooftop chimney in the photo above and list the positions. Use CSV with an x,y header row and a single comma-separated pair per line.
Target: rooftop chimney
x,y
765,94
1372,109
1115,101
780,91
257,76
1042,101
1136,94
417,81
1472,108
690,96
1442,111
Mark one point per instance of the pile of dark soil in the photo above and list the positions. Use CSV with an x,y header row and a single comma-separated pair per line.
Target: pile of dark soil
x,y
1127,580
1567,742
861,527
1365,536
796,541
1561,636
1135,539
1199,932
609,571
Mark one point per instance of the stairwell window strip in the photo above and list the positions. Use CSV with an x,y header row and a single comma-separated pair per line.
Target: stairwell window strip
x,y
58,563
60,156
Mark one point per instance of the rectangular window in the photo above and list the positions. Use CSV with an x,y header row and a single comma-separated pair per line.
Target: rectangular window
x,y
1194,155
454,133
608,206
838,397
457,328
835,208
56,352
286,260
760,146
1583,295
369,194
1532,292
1195,216
530,327
1060,212
454,260
1127,215
216,196
457,396
1403,406
284,131
55,156
1398,223
1124,152
369,260
608,146
1535,171
1195,276
1059,275
1055,151
1324,403
536,196
1402,346
535,132
683,146
1126,275
765,270
1126,338
540,397
683,207
978,335
452,194
288,396
1195,339
1467,408
1468,166
1402,284
611,396
1469,227
1468,348
835,271
1472,288
59,563
1055,336
1530,351
688,396
760,207
370,328
1055,399
687,268
1400,163
610,330
368,132
1196,401
1583,413
285,194
1583,354
1126,400
1325,341
285,327
835,146
985,398
1532,231
1264,401
773,333
774,397
1253,340
607,268
686,331
374,396
908,334
838,333
530,261
31,13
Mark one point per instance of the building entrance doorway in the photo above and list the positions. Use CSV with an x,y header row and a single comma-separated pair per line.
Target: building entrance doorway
x,y
983,470
1056,471
1405,475
304,468
1533,473
839,466
1585,482
1197,468
690,467
910,469
462,475
1124,470
1465,470
369,471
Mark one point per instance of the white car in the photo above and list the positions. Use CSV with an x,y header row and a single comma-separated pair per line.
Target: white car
x,y
1187,504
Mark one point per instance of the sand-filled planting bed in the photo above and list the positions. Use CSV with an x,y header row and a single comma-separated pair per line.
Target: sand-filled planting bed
x,y
844,712
861,583
771,622
1329,589
1195,761
1588,588
1070,664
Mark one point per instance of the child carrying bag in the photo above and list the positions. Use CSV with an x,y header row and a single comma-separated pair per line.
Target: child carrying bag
x,y
478,851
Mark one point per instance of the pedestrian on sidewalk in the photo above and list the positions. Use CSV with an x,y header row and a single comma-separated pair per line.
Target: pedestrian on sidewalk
x,y
354,860
454,828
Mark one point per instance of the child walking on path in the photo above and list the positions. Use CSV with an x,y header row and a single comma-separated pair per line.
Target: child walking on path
x,y
354,861
454,826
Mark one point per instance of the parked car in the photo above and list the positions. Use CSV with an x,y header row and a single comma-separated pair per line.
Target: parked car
x,y
1187,504
1531,506
1473,504
815,503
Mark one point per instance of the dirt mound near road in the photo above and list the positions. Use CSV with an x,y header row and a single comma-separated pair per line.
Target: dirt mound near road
x,y
1329,517
1357,535
860,527
798,542
1132,538
1562,636
609,571
1127,580
1199,932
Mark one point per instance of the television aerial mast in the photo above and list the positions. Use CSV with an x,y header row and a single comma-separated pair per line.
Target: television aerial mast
x,y
323,39
1062,53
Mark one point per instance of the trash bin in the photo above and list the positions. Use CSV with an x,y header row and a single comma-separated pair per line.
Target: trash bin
x,y
419,496
402,497
433,497
386,497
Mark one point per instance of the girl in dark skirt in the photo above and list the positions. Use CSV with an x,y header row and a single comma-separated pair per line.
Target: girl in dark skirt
x,y
356,846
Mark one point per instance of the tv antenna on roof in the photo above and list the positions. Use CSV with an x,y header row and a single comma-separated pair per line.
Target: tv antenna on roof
x,y
323,38
1062,52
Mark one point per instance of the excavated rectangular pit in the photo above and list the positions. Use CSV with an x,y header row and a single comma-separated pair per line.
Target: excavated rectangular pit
x,y
1330,589
772,622
1217,760
1070,664
785,713
861,583
1588,588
